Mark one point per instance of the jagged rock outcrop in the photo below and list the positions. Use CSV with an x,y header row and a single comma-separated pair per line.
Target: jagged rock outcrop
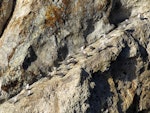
x,y
77,56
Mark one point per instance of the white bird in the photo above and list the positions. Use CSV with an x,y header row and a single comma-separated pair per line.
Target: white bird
x,y
27,87
49,73
15,99
68,67
82,48
139,15
19,68
69,56
126,20
103,35
83,51
29,93
54,71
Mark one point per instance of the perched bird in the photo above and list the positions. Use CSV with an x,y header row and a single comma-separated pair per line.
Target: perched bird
x,y
68,67
126,20
103,35
53,71
49,73
71,61
27,87
141,17
124,25
19,67
82,48
29,93
69,56
83,51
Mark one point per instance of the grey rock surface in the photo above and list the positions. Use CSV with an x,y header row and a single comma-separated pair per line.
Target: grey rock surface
x,y
74,56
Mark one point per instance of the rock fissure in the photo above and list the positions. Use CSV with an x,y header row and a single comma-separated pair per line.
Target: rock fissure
x,y
10,7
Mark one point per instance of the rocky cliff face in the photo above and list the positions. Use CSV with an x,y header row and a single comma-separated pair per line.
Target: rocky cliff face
x,y
74,56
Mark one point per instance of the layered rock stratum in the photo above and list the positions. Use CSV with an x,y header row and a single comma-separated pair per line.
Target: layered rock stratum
x,y
74,56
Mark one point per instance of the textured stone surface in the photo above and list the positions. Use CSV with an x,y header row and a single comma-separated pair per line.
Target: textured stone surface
x,y
6,10
78,56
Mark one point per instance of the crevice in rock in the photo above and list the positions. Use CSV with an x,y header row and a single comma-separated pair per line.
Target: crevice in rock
x,y
8,20
124,54
31,57
30,77
1,1
62,52
12,89
134,106
144,111
89,29
119,103
100,99
84,75
124,69
118,13
143,51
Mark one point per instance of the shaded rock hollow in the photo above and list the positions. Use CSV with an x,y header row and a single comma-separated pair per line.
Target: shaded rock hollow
x,y
78,56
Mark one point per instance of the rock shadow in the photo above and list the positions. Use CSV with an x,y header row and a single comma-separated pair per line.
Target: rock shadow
x,y
124,68
119,13
101,97
30,57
